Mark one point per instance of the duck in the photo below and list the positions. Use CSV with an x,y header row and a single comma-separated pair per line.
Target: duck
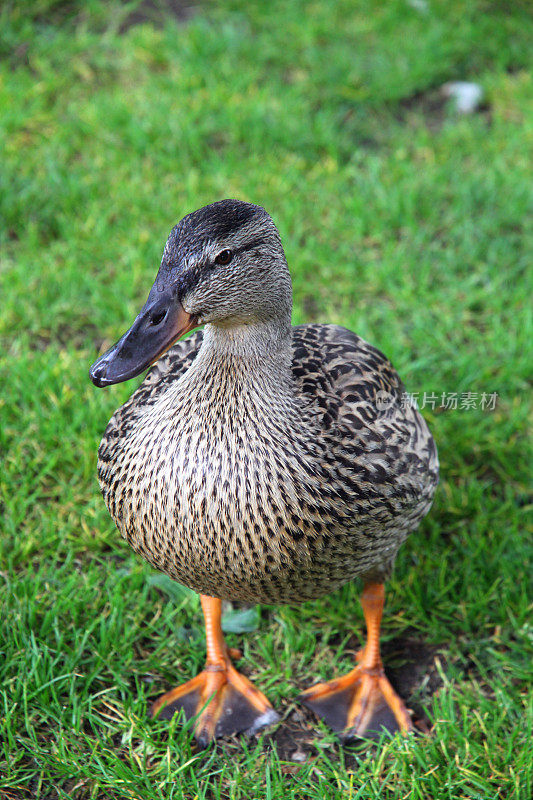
x,y
260,462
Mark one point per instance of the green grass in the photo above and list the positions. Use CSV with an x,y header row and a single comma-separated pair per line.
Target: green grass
x,y
400,220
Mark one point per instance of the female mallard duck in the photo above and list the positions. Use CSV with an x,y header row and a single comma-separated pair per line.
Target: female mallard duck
x,y
259,461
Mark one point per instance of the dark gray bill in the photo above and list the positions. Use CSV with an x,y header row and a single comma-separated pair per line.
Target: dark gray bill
x,y
161,322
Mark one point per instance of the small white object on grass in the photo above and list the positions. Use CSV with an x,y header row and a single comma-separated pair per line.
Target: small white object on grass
x,y
467,96
419,5
299,755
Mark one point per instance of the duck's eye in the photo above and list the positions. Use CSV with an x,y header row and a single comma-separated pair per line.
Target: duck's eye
x,y
224,257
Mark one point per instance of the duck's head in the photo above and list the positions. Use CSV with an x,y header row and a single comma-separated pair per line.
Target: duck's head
x,y
223,264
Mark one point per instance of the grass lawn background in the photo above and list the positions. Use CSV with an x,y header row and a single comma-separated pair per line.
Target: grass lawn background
x,y
402,221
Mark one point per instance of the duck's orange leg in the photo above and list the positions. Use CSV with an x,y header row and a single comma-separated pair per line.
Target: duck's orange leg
x,y
225,701
363,701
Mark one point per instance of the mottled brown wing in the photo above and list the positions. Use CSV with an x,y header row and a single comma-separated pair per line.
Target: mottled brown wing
x,y
377,441
351,382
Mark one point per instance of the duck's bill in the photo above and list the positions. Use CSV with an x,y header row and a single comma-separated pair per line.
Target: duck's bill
x,y
162,321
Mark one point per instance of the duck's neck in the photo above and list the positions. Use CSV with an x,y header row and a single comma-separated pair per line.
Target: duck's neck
x,y
255,354
249,343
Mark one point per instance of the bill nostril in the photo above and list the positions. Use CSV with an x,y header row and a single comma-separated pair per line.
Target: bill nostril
x,y
157,317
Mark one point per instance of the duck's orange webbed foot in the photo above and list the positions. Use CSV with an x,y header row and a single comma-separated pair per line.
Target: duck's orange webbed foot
x,y
225,701
362,702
